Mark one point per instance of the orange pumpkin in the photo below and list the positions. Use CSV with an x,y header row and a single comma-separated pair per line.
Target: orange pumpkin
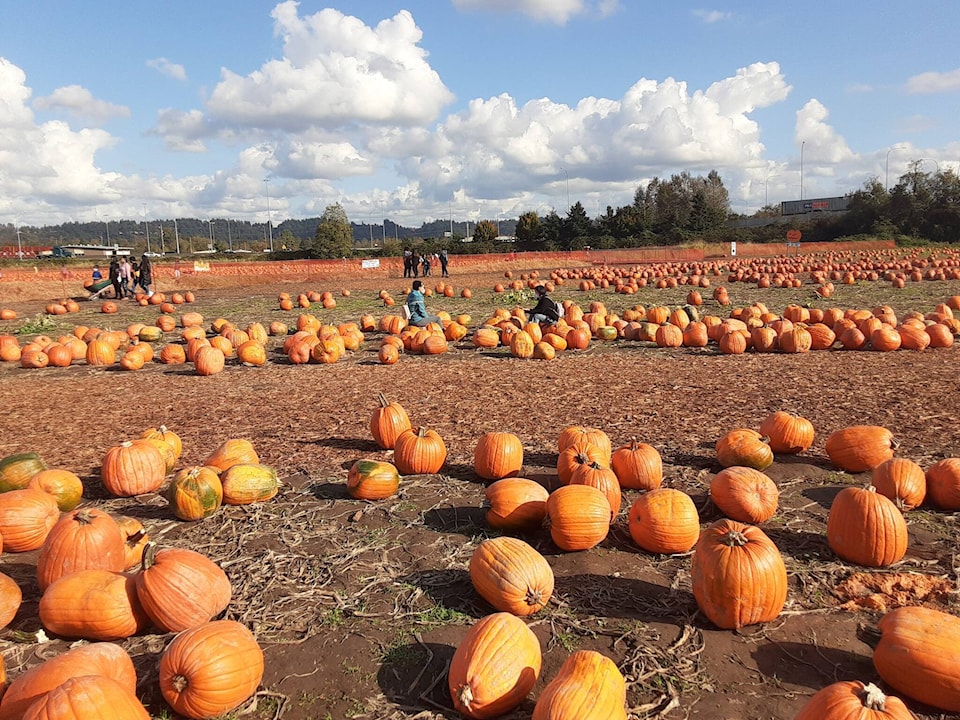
x,y
744,494
93,605
943,483
82,539
787,433
860,447
515,504
511,576
26,518
388,422
498,455
133,468
638,466
855,701
579,517
419,453
64,485
901,480
664,520
588,686
95,694
372,480
866,528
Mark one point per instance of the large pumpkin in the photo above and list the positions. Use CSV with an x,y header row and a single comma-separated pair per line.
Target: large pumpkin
x,y
494,667
133,468
852,700
738,575
195,493
179,588
860,447
510,575
101,659
638,466
420,452
16,470
247,483
211,669
93,605
866,528
82,539
901,480
372,480
664,520
387,422
788,434
744,494
515,504
919,655
746,448
588,686
26,517
98,696
943,483
498,455
579,517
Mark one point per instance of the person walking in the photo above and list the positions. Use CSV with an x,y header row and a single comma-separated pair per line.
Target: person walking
x,y
126,275
407,262
444,259
426,264
146,275
114,275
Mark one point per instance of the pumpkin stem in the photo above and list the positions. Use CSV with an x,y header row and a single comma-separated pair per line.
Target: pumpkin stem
x,y
179,683
873,698
421,431
534,596
149,555
383,399
870,634
83,517
466,696
734,538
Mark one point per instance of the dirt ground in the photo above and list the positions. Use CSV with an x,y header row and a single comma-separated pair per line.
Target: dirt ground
x,y
359,605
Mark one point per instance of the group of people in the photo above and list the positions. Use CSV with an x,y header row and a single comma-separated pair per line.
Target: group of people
x,y
547,310
126,277
416,265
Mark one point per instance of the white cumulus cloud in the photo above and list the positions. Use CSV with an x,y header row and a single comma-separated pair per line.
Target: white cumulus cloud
x,y
335,70
170,69
934,82
554,11
822,144
80,102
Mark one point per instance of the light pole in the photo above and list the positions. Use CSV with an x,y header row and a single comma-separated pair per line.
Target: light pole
x,y
766,180
886,167
176,234
802,143
266,182
19,244
567,177
370,224
935,162
210,234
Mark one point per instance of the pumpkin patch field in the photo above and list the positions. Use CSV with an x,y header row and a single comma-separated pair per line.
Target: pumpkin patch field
x,y
274,501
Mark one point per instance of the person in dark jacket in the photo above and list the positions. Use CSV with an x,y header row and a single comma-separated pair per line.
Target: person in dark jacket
x,y
114,275
546,310
146,275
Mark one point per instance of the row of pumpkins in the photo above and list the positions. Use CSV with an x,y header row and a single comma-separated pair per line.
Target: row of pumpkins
x,y
102,580
738,575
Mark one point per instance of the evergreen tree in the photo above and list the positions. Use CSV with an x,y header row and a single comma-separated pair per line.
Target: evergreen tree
x,y
529,227
334,236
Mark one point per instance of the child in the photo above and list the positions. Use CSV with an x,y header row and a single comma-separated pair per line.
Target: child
x,y
97,275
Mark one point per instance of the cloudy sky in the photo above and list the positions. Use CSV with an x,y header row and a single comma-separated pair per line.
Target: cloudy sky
x,y
417,109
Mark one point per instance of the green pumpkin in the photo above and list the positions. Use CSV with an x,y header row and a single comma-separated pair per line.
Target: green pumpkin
x,y
195,493
16,470
247,483
372,480
150,333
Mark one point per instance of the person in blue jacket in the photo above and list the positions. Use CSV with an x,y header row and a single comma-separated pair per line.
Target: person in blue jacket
x,y
418,307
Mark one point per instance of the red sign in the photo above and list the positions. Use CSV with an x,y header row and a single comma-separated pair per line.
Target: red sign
x,y
794,235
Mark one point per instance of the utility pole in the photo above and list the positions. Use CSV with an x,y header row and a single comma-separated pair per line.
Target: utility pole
x,y
266,183
146,227
176,232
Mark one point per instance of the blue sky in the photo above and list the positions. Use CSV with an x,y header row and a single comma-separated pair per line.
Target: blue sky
x,y
413,110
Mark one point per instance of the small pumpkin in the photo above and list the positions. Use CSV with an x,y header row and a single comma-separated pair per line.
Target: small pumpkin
x,y
638,466
866,528
372,480
195,493
10,599
664,520
588,686
16,470
744,494
498,455
248,483
901,480
602,478
579,517
738,575
860,447
494,667
576,434
746,448
573,456
387,422
419,453
133,468
515,504
168,436
511,576
235,451
135,539
64,485
26,518
211,669
943,483
787,433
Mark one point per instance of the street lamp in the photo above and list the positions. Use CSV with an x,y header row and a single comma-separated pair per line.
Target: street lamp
x,y
935,162
802,143
210,234
370,225
886,167
766,180
19,244
266,182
